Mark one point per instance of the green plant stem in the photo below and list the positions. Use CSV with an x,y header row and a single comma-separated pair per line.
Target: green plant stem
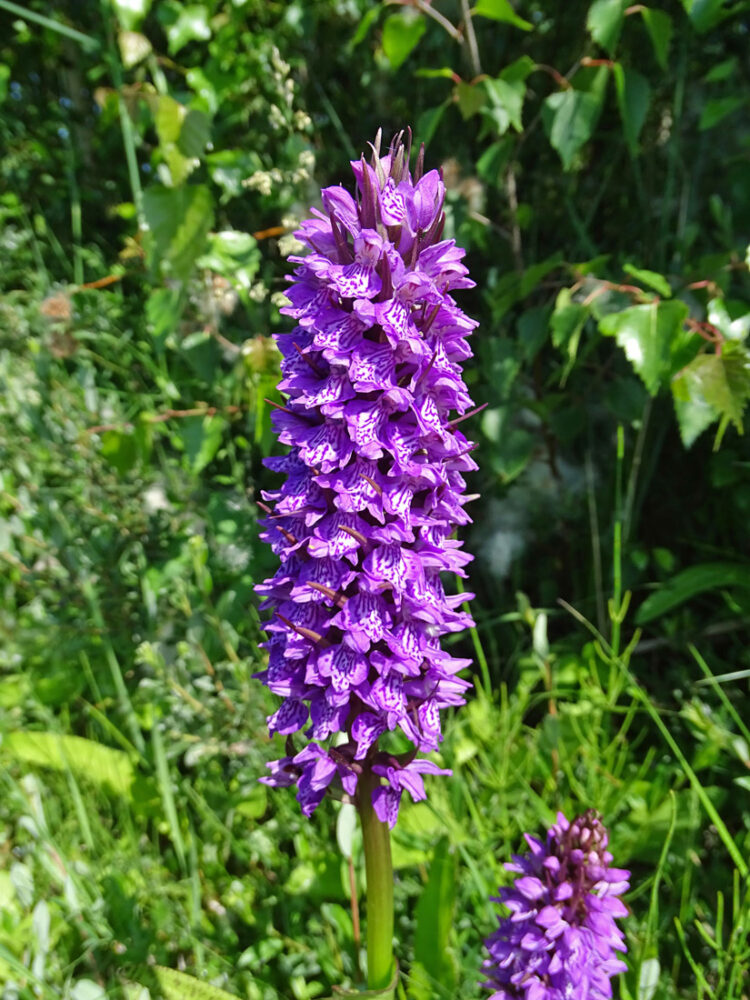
x,y
617,570
376,840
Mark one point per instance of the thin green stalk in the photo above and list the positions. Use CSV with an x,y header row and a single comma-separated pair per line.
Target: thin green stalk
x,y
76,218
616,603
47,22
477,643
376,841
126,125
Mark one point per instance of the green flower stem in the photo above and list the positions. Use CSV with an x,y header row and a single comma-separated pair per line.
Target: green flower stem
x,y
376,839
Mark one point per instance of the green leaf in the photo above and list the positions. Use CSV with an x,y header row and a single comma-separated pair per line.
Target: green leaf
x,y
87,989
731,317
604,22
179,220
689,583
130,13
120,449
444,73
428,122
168,119
471,98
659,27
232,254
201,438
401,35
191,25
134,47
633,96
434,915
110,769
693,413
566,324
504,104
650,278
652,337
195,134
363,28
722,381
706,14
718,109
178,986
518,70
574,117
493,161
501,10
722,70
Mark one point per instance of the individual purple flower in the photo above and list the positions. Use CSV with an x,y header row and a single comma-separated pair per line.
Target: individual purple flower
x,y
364,523
560,940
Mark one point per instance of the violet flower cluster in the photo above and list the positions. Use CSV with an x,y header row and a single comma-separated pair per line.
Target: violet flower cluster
x,y
560,940
374,487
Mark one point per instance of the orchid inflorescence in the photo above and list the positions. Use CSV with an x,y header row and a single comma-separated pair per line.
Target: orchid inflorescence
x,y
560,941
374,487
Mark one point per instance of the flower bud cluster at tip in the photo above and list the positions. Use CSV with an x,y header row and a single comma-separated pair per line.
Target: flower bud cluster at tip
x,y
560,941
374,487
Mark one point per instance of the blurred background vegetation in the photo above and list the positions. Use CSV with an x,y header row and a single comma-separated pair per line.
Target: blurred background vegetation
x,y
155,158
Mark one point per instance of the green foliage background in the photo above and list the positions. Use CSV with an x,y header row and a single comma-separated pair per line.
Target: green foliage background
x,y
155,158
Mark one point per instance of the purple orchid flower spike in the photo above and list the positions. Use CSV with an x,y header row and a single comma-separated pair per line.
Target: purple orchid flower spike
x,y
560,940
374,488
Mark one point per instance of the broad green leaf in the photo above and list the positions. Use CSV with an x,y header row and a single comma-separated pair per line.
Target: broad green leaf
x,y
518,70
501,10
731,317
604,22
721,380
722,70
659,26
693,413
179,220
401,35
178,986
232,254
120,449
493,161
168,119
4,78
363,28
691,582
201,438
110,769
434,915
134,47
471,98
718,109
163,310
652,337
648,978
706,14
130,13
87,989
650,278
428,122
191,25
566,324
504,104
195,134
633,96
570,117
